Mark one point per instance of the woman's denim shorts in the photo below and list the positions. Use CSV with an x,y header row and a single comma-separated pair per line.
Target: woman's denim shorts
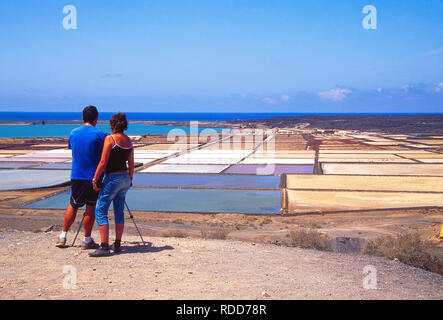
x,y
113,191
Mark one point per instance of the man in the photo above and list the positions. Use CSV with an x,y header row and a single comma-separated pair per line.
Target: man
x,y
86,144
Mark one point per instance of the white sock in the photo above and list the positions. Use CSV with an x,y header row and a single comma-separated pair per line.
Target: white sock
x,y
63,235
87,239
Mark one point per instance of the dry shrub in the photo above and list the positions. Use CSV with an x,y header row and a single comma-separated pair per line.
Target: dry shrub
x,y
310,239
265,221
219,232
174,234
407,248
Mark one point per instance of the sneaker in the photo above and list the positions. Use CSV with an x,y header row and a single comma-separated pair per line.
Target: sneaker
x,y
90,245
61,243
102,251
116,246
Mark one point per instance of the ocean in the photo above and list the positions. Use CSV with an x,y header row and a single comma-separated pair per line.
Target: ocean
x,y
63,130
159,116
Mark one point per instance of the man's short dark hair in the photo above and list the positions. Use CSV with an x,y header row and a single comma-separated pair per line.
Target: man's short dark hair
x,y
90,114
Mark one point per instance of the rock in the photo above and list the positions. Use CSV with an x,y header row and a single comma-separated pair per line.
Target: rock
x,y
265,294
347,245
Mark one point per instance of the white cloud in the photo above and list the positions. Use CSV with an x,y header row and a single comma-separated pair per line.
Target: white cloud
x,y
285,98
379,90
439,87
282,98
434,52
270,100
335,94
113,75
406,88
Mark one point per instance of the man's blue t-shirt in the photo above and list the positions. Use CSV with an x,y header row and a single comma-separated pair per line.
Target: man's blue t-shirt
x,y
86,143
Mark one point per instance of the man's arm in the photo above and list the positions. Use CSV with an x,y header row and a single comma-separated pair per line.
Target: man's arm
x,y
131,163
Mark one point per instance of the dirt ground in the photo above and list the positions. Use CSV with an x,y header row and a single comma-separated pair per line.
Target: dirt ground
x,y
176,268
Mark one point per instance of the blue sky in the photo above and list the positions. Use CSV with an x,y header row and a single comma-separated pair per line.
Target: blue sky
x,y
222,56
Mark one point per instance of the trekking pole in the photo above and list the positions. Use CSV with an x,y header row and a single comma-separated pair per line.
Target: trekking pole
x,y
132,217
79,227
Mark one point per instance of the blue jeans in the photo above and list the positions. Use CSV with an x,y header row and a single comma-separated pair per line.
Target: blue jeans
x,y
113,191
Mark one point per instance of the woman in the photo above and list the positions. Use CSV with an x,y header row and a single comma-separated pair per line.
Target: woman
x,y
117,150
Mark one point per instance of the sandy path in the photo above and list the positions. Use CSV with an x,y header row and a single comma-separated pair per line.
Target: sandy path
x,y
32,268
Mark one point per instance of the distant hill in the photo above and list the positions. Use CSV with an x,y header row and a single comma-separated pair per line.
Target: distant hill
x,y
430,124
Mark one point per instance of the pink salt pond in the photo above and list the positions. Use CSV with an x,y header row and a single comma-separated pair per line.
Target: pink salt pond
x,y
276,169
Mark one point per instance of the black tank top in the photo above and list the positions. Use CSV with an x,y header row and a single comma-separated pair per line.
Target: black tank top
x,y
118,158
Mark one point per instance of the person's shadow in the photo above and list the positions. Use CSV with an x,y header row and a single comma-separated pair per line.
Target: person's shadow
x,y
140,248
